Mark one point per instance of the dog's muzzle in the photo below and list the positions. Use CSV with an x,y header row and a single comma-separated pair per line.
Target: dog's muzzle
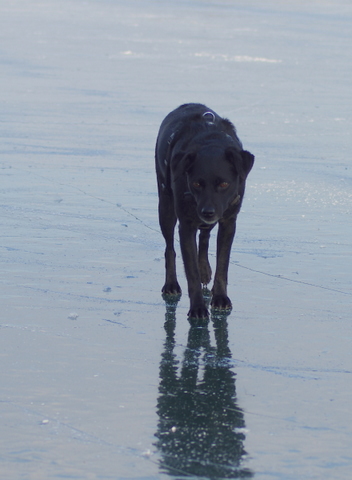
x,y
208,215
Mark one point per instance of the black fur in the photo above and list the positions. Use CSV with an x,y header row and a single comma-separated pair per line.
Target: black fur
x,y
201,170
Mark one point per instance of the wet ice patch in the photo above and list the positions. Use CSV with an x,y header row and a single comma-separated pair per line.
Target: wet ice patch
x,y
129,53
210,56
236,58
317,194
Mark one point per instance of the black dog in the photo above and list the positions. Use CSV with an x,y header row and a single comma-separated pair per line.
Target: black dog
x,y
201,169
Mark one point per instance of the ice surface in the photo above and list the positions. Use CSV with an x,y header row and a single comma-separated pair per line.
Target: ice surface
x,y
99,380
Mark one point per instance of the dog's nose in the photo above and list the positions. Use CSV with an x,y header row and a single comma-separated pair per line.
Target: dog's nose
x,y
208,212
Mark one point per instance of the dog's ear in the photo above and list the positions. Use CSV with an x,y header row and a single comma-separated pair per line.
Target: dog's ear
x,y
188,161
241,161
176,160
182,163
247,161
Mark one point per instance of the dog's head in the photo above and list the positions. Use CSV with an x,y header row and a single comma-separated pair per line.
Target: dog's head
x,y
216,177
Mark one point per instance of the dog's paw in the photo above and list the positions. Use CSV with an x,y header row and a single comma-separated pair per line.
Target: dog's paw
x,y
206,295
198,312
171,289
205,273
221,302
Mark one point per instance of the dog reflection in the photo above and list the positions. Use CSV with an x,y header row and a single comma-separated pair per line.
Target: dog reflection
x,y
200,429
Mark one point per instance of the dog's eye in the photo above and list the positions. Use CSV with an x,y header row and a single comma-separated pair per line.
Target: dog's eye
x,y
223,185
196,185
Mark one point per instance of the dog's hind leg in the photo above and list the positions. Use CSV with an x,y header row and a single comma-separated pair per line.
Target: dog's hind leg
x,y
188,244
204,266
226,233
167,220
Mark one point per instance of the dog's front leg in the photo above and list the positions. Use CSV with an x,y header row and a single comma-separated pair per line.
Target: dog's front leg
x,y
188,244
226,233
167,220
204,266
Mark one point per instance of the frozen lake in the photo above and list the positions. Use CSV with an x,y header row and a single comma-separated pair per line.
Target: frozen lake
x,y
100,380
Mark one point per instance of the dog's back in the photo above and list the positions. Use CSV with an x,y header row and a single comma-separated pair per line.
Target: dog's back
x,y
187,122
